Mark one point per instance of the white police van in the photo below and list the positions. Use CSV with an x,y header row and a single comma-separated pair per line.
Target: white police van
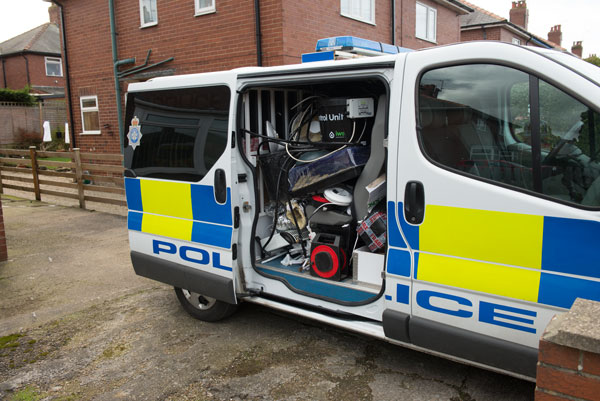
x,y
447,200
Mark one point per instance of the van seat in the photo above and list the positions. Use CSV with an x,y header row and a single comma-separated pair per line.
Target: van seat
x,y
441,142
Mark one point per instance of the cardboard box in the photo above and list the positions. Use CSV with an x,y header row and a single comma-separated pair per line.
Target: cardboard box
x,y
367,266
377,191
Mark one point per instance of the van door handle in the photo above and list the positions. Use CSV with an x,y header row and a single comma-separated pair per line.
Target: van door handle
x,y
414,202
220,186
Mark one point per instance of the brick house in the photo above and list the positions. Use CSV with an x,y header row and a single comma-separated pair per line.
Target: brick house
x,y
485,25
33,59
189,36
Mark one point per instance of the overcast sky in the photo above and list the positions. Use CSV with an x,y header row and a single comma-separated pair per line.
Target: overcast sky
x,y
579,18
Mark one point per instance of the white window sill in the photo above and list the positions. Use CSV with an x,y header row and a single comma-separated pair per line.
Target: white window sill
x,y
204,12
54,76
427,40
90,133
358,19
149,25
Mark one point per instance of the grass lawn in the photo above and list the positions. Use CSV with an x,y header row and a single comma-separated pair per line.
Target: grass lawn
x,y
56,159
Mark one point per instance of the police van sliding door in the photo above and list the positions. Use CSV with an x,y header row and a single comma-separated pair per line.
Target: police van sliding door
x,y
178,180
498,198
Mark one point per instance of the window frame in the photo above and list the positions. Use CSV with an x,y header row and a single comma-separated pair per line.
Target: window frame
x,y
144,24
89,109
525,191
53,59
516,41
427,8
358,17
204,10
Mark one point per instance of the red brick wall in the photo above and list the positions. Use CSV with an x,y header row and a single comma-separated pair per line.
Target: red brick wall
x,y
3,251
565,373
306,21
211,42
448,25
14,68
16,72
494,33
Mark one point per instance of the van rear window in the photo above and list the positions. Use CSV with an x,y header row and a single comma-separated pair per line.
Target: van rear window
x,y
183,132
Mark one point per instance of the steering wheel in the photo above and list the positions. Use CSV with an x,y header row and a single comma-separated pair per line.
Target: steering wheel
x,y
569,136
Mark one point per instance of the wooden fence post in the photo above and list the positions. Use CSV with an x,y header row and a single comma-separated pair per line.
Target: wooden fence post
x,y
79,177
34,172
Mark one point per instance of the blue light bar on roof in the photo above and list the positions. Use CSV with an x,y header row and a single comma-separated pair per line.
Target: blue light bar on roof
x,y
352,42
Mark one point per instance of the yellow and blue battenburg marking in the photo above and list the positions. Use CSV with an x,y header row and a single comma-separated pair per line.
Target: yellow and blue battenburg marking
x,y
184,211
506,254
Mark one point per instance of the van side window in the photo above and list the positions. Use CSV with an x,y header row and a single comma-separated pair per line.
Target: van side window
x,y
479,120
183,132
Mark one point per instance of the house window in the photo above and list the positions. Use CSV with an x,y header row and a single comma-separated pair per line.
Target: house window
x,y
362,10
53,67
205,6
148,15
516,41
89,114
426,22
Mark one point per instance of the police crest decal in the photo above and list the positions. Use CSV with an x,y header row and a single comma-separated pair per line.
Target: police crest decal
x,y
134,136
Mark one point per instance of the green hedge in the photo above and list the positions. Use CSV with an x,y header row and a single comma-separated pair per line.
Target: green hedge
x,y
17,96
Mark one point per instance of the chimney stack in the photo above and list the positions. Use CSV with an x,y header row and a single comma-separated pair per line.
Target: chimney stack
x,y
519,14
54,14
577,49
555,35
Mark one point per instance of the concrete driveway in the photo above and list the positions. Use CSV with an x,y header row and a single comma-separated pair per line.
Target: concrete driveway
x,y
77,323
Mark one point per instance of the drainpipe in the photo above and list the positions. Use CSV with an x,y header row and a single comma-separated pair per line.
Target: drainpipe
x,y
63,39
401,22
4,72
394,22
26,69
116,63
258,34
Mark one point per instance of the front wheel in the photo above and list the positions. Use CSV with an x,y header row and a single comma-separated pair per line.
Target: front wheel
x,y
202,307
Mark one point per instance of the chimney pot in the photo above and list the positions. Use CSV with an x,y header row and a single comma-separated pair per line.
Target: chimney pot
x,y
519,14
577,49
555,35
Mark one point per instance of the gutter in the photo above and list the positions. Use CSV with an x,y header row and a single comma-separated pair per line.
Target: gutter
x,y
511,27
63,38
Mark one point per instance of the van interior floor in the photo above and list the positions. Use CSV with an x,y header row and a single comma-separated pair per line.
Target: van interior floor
x,y
346,290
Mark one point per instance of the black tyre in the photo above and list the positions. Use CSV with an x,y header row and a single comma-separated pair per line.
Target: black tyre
x,y
202,307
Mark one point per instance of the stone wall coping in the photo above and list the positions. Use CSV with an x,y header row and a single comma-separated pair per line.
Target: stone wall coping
x,y
578,328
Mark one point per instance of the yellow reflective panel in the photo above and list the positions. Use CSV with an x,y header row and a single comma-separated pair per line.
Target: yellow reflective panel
x,y
167,198
167,227
489,278
499,237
